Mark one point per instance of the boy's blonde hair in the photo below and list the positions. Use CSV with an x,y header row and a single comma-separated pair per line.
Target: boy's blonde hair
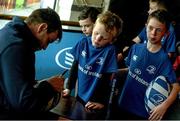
x,y
111,21
162,4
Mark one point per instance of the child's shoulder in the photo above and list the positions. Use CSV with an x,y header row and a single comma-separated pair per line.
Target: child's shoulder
x,y
139,45
84,39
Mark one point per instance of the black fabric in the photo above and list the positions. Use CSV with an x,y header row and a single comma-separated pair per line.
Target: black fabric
x,y
18,97
102,91
173,111
72,76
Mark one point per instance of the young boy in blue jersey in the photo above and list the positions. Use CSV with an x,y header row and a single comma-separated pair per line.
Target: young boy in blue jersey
x,y
169,39
95,61
145,62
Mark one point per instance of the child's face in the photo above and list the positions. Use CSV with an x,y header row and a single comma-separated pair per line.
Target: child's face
x,y
155,31
100,37
86,26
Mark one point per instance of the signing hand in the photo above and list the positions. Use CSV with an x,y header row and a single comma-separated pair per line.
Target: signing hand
x,y
57,82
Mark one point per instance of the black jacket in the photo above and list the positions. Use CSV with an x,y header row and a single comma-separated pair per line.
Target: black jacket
x,y
17,72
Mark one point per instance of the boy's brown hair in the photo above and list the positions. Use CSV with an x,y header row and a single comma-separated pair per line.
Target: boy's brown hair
x,y
89,12
162,16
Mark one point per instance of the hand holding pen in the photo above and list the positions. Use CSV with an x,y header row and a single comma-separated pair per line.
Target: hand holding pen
x,y
57,82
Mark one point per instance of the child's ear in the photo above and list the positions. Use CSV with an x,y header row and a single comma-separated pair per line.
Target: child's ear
x,y
42,27
145,24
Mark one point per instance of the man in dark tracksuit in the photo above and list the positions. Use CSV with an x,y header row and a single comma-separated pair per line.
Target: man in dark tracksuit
x,y
19,98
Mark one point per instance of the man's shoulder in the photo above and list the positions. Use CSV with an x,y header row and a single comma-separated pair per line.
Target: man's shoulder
x,y
8,40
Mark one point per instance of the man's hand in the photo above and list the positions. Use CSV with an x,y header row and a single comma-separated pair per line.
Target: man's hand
x,y
57,82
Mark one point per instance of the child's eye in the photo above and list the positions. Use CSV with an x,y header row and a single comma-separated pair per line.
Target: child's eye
x,y
158,30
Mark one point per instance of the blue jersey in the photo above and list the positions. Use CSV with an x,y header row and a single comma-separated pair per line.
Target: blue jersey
x,y
92,63
168,41
144,66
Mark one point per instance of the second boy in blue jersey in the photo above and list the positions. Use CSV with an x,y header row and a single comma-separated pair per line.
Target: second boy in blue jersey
x,y
145,62
94,62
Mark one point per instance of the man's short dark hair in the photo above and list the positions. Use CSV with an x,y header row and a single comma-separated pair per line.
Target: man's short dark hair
x,y
48,16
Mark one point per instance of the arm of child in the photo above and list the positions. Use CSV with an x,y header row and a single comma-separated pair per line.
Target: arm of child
x,y
71,82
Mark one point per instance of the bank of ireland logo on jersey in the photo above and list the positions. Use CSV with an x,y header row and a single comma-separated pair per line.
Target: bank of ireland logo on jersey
x,y
64,58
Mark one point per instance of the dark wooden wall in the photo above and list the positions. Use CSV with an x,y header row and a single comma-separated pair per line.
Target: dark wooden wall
x,y
133,13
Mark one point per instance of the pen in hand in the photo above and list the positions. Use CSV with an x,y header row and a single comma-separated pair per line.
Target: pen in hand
x,y
64,72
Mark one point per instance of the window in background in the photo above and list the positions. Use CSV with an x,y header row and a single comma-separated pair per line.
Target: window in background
x,y
70,9
18,7
63,7
67,9
48,3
